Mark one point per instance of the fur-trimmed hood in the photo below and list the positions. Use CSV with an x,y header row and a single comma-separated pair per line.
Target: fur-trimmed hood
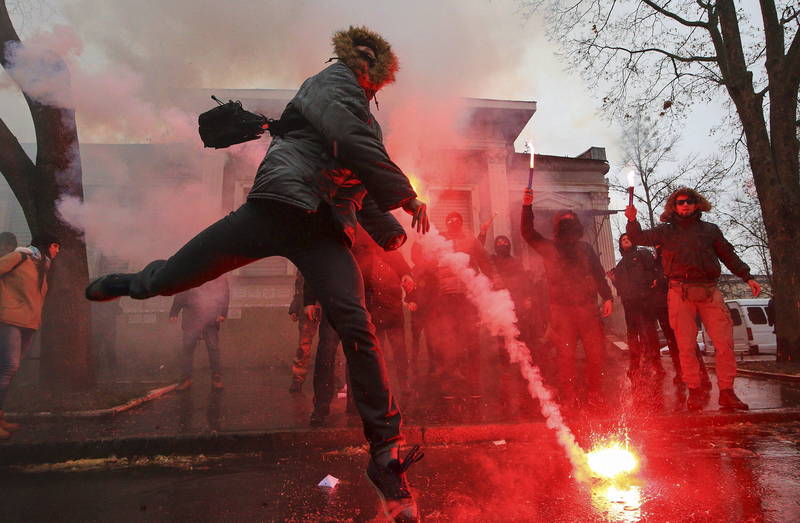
x,y
703,205
381,71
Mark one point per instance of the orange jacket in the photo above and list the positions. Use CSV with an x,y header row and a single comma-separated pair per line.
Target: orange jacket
x,y
21,298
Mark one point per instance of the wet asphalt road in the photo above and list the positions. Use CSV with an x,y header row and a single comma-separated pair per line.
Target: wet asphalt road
x,y
742,472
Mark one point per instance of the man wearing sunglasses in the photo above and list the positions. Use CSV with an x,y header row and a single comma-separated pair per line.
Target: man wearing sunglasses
x,y
691,251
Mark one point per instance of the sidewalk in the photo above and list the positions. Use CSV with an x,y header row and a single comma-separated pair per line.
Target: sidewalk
x,y
255,412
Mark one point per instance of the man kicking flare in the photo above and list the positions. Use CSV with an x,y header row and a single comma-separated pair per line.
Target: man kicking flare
x,y
327,170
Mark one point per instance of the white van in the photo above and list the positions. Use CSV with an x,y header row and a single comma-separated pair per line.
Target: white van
x,y
753,332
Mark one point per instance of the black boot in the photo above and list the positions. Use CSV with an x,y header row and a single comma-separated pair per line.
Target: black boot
x,y
729,400
697,399
393,488
109,287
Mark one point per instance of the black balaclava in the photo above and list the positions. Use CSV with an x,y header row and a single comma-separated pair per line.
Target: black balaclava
x,y
502,246
567,226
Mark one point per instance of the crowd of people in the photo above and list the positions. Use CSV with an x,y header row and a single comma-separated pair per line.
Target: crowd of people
x,y
555,316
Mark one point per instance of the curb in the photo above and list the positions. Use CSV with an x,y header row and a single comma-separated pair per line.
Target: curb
x,y
97,413
318,440
762,374
768,375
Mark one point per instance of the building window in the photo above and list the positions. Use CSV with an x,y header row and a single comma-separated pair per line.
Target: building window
x,y
450,200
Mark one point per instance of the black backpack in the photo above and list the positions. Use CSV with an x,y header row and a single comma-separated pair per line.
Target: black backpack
x,y
229,123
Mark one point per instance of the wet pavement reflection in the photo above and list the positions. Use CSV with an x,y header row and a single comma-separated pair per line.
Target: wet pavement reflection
x,y
740,472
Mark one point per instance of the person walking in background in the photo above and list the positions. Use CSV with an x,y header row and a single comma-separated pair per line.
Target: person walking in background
x,y
691,251
307,327
575,278
204,309
8,242
23,287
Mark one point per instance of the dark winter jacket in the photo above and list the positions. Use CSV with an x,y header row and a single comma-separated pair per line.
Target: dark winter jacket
x,y
691,249
636,277
511,275
202,305
574,273
332,153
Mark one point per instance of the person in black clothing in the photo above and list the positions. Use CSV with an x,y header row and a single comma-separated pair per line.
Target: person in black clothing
x,y
326,172
574,278
385,274
636,278
204,308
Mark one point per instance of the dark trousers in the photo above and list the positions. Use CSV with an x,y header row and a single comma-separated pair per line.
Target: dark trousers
x,y
396,338
568,325
420,329
640,320
259,229
210,334
325,367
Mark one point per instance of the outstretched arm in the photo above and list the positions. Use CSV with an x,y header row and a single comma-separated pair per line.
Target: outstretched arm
x,y
638,236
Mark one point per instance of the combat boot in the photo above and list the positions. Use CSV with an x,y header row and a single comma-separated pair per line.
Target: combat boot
x,y
393,488
729,400
697,399
109,287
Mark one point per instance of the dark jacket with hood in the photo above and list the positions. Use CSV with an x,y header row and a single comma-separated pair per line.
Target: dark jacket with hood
x,y
332,152
574,273
691,249
634,276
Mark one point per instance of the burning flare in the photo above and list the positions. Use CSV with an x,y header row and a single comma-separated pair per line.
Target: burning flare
x,y
611,461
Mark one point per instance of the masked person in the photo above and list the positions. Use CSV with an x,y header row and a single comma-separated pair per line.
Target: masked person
x,y
457,333
23,287
203,310
691,250
326,171
574,280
